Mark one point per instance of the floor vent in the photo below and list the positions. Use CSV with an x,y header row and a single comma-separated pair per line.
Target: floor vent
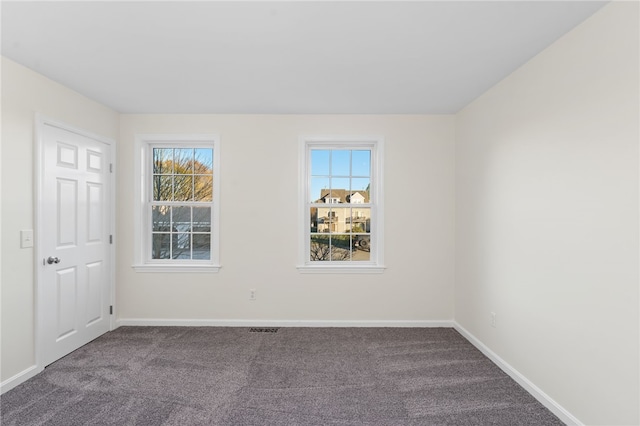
x,y
263,330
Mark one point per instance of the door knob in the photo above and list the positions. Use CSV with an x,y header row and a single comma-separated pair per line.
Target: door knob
x,y
52,259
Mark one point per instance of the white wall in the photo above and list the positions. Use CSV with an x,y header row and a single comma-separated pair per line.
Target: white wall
x,y
259,235
547,219
23,94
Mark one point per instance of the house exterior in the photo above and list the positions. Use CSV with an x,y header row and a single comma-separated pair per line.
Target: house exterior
x,y
343,213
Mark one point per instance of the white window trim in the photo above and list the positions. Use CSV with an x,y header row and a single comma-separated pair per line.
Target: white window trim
x,y
376,263
142,241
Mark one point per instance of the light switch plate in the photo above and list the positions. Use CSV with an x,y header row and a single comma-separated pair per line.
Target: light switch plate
x,y
26,238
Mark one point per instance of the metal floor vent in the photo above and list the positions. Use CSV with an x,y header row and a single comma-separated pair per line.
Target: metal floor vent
x,y
263,330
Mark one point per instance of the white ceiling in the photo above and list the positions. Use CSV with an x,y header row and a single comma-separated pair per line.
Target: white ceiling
x,y
283,57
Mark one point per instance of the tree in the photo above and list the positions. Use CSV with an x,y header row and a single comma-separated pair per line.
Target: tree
x,y
321,250
357,228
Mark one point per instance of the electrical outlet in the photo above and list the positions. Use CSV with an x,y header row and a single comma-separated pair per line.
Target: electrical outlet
x,y
252,294
493,319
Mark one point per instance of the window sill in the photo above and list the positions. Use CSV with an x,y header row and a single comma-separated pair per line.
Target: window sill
x,y
335,269
212,269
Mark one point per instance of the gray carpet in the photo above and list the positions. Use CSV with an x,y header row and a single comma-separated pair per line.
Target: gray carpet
x,y
297,376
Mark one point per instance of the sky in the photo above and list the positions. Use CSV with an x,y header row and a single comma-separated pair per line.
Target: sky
x,y
339,169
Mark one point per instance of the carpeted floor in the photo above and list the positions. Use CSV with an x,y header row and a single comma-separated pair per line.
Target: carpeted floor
x,y
297,376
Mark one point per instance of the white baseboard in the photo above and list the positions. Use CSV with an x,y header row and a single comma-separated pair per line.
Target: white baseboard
x,y
19,378
535,391
278,323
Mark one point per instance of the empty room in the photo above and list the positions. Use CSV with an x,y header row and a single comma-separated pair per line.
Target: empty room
x,y
320,213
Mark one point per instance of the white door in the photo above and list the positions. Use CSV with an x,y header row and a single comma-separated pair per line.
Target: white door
x,y
74,284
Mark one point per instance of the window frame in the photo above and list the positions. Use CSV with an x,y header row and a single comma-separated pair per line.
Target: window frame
x,y
144,180
376,202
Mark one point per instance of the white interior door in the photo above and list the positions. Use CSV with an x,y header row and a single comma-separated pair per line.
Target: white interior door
x,y
74,241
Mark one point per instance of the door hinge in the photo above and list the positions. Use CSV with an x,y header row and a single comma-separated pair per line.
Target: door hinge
x,y
110,239
111,310
110,167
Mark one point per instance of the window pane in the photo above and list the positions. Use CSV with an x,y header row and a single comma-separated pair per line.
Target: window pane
x,y
162,161
201,219
339,192
203,188
160,246
361,163
361,248
332,220
340,189
181,247
319,248
340,247
319,189
179,200
183,161
360,220
161,218
162,188
361,185
183,190
339,220
320,162
340,163
313,218
201,246
181,219
203,161
323,219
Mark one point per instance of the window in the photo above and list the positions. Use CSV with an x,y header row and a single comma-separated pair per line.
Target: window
x,y
341,208
178,211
